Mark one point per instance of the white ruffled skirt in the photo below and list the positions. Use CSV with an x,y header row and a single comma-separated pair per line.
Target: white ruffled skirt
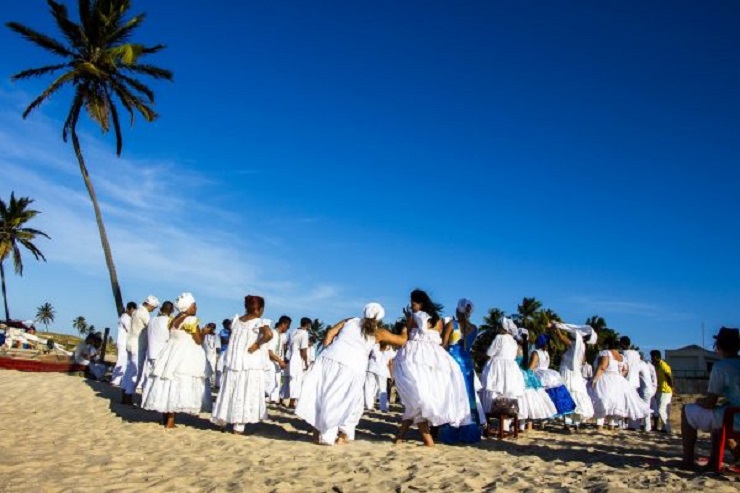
x,y
613,396
576,385
501,378
430,384
179,382
241,398
331,399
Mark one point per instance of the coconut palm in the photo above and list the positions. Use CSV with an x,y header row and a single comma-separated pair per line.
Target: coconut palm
x,y
14,235
45,314
80,324
101,65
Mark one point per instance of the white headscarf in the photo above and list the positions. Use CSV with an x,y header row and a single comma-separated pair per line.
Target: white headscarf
x,y
184,301
152,301
463,304
587,332
374,311
510,327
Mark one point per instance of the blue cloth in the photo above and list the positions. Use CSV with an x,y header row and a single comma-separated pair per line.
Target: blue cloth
x,y
564,403
470,433
530,379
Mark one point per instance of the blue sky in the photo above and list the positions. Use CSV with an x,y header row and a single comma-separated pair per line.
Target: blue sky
x,y
327,154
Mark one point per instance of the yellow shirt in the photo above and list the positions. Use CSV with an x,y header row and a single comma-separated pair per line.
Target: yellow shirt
x,y
662,370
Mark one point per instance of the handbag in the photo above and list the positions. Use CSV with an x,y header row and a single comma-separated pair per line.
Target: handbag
x,y
505,406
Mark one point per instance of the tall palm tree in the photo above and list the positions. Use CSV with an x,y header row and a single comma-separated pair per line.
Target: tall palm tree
x,y
597,323
45,314
527,311
13,235
80,324
100,65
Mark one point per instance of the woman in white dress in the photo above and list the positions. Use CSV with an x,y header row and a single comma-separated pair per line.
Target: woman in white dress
x,y
550,379
429,381
241,399
501,376
570,368
180,376
614,397
332,395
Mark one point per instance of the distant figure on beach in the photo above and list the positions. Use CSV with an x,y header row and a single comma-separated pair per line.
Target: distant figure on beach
x,y
332,397
458,337
241,399
647,389
705,414
179,379
665,391
297,357
211,345
429,381
632,360
124,325
157,335
135,349
224,335
571,368
275,366
86,354
378,373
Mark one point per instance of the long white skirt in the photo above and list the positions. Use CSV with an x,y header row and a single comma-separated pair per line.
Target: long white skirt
x,y
576,385
501,378
241,398
614,397
536,404
431,385
331,399
179,381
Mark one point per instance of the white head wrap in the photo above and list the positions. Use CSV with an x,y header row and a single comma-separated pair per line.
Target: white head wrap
x,y
374,311
587,332
463,305
184,301
510,327
152,301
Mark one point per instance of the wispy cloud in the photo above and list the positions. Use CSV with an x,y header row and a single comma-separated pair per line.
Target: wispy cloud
x,y
607,306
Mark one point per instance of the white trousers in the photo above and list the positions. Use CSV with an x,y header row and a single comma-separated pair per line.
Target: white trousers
x,y
663,405
376,386
121,362
130,378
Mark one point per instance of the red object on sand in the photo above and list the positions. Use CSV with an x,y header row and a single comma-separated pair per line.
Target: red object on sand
x,y
727,431
41,363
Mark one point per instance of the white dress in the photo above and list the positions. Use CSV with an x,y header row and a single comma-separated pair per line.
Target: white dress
x,y
570,370
178,382
332,396
501,376
429,381
241,398
296,369
613,395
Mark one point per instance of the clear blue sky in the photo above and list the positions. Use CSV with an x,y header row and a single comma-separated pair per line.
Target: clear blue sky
x,y
326,154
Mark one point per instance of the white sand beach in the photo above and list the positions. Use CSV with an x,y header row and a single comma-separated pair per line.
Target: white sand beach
x,y
64,433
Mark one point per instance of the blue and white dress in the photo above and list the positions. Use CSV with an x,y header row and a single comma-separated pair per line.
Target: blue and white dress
x,y
553,384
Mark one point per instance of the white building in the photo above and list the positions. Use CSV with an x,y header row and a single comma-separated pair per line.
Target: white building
x,y
691,361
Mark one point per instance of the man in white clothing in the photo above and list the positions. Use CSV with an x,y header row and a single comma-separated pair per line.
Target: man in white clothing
x,y
139,322
157,334
124,325
276,363
297,360
633,360
211,345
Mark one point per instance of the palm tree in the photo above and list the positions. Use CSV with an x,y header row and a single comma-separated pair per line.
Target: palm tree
x,y
80,324
13,235
100,65
527,311
596,322
45,314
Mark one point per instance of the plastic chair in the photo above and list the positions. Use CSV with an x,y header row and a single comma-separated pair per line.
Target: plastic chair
x,y
728,431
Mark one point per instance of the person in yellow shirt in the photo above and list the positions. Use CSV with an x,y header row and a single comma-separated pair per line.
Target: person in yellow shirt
x,y
665,391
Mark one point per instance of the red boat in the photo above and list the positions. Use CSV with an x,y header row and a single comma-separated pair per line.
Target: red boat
x,y
25,360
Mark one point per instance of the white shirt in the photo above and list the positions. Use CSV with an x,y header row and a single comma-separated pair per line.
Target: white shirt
x,y
81,351
633,360
157,335
124,325
648,386
139,321
211,342
298,341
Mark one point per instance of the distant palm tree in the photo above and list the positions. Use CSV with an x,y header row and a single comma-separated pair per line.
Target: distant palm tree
x,y
597,323
527,311
45,314
100,64
13,235
80,324
493,319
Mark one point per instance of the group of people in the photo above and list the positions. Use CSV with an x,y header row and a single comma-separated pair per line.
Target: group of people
x,y
171,358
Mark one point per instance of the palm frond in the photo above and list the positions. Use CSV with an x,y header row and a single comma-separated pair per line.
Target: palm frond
x,y
116,123
150,70
17,260
55,86
35,232
71,31
138,86
74,112
36,72
122,35
40,39
150,50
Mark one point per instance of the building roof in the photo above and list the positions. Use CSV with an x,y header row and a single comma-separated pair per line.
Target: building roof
x,y
693,348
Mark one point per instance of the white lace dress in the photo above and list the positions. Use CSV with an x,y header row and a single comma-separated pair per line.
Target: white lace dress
x,y
570,370
179,381
332,395
613,395
429,381
501,376
241,398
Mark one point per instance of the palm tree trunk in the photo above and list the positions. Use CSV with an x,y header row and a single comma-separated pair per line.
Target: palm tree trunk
x,y
5,294
101,227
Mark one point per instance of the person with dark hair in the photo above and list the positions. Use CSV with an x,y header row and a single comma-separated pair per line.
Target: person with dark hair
x,y
241,399
332,397
136,348
632,360
575,338
297,357
86,354
276,365
224,335
179,381
664,395
429,381
124,325
211,346
705,414
550,379
157,334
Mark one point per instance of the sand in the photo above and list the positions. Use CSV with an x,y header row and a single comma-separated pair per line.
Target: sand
x,y
65,433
